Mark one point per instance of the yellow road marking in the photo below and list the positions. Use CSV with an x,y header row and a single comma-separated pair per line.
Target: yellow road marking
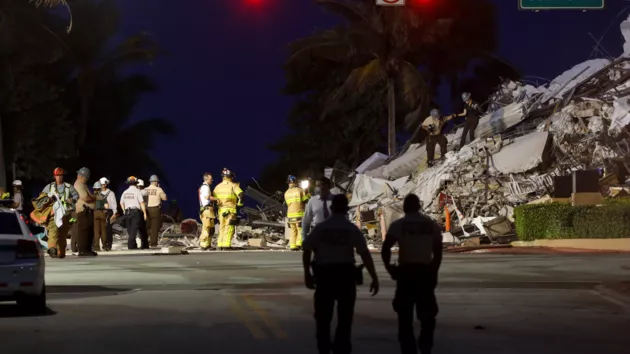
x,y
271,324
242,315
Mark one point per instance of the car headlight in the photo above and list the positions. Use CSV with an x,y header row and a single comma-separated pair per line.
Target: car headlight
x,y
304,184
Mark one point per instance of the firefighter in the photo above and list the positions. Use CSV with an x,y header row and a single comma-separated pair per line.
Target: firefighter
x,y
133,205
229,197
60,222
154,199
206,212
295,198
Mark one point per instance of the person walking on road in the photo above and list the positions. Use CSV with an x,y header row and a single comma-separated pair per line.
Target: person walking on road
x,y
84,227
58,225
111,210
419,241
206,212
132,203
334,275
155,197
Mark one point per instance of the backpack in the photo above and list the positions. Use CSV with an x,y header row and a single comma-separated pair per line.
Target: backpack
x,y
101,200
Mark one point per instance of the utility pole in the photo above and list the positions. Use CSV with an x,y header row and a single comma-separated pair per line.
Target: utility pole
x,y
3,170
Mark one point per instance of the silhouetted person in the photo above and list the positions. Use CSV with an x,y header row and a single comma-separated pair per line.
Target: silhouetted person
x,y
334,276
420,254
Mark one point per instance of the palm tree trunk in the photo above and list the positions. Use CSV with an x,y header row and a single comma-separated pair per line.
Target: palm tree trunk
x,y
391,117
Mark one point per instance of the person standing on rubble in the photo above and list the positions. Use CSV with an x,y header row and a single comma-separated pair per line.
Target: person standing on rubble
x,y
84,227
472,112
60,221
135,209
318,207
334,276
206,212
154,199
295,198
229,198
433,125
420,255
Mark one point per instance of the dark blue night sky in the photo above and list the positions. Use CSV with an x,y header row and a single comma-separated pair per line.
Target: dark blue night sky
x,y
221,82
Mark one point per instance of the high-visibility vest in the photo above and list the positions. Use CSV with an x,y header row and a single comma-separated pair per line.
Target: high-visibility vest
x,y
227,193
296,201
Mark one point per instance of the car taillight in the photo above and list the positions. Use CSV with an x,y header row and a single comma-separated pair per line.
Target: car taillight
x,y
27,249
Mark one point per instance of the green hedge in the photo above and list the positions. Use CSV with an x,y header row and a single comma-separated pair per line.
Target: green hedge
x,y
562,221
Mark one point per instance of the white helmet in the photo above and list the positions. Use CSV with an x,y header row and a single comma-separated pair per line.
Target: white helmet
x,y
140,183
17,182
104,180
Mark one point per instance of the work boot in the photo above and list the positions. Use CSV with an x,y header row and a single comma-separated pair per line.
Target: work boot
x,y
52,252
61,253
88,254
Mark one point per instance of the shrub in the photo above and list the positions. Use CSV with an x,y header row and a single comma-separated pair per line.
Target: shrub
x,y
562,221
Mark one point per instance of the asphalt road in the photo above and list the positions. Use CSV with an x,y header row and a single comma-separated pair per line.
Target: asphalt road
x,y
255,303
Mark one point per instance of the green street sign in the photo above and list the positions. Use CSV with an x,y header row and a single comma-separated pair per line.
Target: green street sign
x,y
561,4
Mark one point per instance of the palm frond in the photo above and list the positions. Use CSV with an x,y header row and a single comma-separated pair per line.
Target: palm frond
x,y
359,80
138,48
53,3
414,87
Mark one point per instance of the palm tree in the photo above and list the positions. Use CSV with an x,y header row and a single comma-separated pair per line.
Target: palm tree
x,y
115,145
91,59
390,39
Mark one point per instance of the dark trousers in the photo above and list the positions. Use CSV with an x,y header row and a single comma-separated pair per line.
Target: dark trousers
x,y
85,230
109,231
415,288
134,223
154,223
74,234
433,140
334,283
100,230
469,128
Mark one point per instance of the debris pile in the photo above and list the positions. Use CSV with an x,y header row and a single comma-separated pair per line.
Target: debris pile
x,y
528,136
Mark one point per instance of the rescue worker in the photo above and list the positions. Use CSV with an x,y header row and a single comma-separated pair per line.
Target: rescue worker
x,y
100,218
229,197
18,197
133,205
82,231
296,199
60,222
318,207
334,275
434,124
143,228
155,197
419,241
206,212
472,112
110,211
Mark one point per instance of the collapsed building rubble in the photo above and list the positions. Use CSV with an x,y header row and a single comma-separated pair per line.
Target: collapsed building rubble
x,y
528,136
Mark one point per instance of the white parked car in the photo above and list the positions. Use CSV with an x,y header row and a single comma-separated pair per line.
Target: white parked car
x,y
22,264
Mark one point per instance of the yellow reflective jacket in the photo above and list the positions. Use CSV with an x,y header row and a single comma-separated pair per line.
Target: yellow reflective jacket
x,y
227,193
296,199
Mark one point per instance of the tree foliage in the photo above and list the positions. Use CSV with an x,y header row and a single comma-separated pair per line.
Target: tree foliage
x,y
380,68
66,98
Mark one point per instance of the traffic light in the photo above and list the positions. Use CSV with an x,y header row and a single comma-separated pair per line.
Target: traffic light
x,y
254,2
